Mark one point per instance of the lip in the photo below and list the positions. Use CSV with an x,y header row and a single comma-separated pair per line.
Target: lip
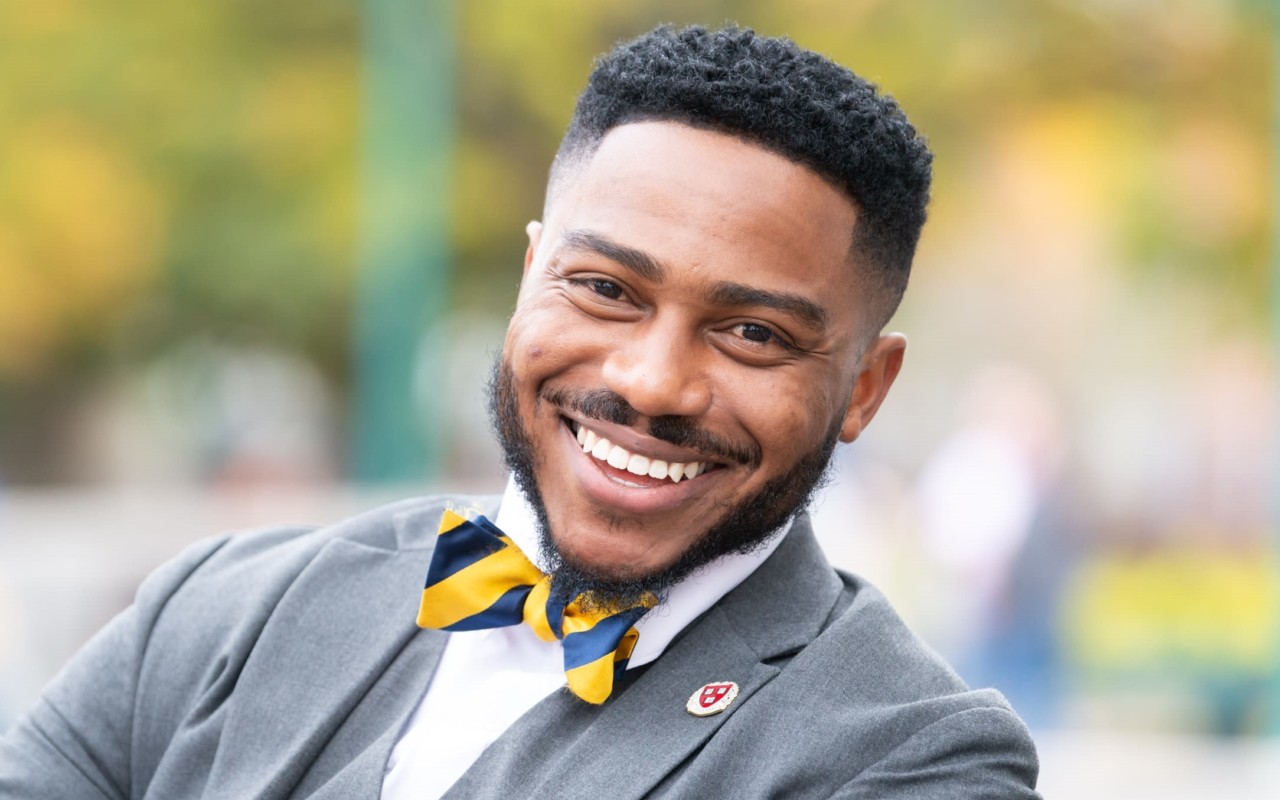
x,y
597,479
636,442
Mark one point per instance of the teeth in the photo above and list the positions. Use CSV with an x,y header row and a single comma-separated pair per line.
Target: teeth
x,y
619,458
601,449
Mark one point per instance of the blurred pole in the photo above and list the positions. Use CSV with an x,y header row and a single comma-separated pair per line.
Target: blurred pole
x,y
1273,718
404,257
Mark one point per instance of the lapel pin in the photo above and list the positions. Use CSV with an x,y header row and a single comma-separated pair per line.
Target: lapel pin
x,y
712,698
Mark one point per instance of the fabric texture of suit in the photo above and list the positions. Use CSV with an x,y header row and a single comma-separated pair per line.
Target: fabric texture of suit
x,y
284,663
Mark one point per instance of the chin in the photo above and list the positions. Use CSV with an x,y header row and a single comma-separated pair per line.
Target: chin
x,y
608,553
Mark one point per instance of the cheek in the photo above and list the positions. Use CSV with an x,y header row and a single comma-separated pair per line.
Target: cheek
x,y
794,416
543,342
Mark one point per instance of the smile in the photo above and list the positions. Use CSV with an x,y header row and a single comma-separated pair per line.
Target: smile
x,y
618,457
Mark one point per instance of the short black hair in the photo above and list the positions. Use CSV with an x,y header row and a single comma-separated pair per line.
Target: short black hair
x,y
789,100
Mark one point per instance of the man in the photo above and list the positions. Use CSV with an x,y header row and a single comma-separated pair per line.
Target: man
x,y
729,224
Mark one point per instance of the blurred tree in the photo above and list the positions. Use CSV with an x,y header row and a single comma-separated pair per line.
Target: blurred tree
x,y
166,172
178,170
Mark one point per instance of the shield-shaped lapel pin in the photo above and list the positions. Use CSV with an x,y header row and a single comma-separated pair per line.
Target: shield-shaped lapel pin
x,y
712,698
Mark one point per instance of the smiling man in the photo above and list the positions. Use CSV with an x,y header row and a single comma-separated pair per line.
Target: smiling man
x,y
685,352
729,224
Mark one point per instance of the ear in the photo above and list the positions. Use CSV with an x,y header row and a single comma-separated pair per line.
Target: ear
x,y
880,365
534,230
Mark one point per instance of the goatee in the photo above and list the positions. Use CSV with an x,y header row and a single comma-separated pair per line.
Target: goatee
x,y
742,528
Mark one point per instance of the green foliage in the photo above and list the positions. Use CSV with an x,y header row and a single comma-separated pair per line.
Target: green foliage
x,y
177,169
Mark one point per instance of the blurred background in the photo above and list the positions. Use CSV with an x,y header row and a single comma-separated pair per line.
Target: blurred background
x,y
256,259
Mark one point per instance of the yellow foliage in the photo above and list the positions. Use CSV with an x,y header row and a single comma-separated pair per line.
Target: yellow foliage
x,y
290,105
1177,608
81,237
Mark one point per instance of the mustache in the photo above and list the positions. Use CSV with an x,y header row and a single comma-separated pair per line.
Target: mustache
x,y
608,406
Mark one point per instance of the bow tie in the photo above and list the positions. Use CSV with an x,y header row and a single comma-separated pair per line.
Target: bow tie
x,y
479,579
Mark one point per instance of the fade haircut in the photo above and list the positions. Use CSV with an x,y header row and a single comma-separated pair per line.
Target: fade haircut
x,y
779,96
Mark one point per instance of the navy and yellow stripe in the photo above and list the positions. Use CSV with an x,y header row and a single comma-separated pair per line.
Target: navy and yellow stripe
x,y
479,579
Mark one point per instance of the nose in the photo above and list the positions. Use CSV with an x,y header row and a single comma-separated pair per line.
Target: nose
x,y
658,369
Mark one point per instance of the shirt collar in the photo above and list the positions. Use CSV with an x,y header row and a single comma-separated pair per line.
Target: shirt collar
x,y
685,601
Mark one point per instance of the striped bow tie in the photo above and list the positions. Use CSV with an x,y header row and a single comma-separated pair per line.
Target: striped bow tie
x,y
478,579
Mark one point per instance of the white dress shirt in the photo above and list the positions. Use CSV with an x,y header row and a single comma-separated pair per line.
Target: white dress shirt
x,y
488,679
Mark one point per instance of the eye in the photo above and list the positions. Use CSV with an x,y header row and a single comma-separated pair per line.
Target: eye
x,y
604,288
754,332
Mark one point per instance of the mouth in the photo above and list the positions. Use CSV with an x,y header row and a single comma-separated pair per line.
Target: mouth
x,y
635,469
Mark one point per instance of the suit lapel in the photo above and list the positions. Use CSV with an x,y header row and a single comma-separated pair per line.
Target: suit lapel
x,y
354,761
316,659
785,603
622,749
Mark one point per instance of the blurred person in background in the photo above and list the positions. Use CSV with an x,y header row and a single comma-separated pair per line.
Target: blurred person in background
x,y
995,519
729,224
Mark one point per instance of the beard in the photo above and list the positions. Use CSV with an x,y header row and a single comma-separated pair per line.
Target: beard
x,y
742,528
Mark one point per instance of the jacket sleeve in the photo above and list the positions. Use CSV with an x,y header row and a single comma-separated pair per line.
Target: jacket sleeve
x,y
76,741
976,753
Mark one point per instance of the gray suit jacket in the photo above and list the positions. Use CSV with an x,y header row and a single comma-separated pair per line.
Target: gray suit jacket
x,y
284,663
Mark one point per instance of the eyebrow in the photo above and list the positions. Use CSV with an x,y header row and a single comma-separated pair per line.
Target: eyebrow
x,y
638,261
736,294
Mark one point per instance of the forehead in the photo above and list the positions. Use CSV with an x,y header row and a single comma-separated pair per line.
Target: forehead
x,y
708,202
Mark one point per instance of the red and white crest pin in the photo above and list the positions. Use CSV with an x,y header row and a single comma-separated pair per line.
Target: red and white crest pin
x,y
712,698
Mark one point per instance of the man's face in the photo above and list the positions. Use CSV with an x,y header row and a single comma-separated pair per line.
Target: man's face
x,y
687,346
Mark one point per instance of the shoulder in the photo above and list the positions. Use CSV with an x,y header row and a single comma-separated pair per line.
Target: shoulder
x,y
892,667
159,678
200,620
210,603
907,713
868,709
864,628
252,567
